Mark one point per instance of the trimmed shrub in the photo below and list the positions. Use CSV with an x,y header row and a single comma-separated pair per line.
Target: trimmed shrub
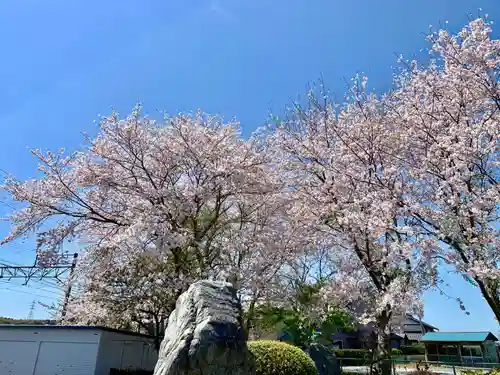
x,y
354,362
279,358
352,353
116,371
413,349
353,357
396,352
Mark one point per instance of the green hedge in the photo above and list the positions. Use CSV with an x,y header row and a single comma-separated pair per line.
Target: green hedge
x,y
352,353
396,352
279,358
115,371
413,349
354,361
354,357
365,353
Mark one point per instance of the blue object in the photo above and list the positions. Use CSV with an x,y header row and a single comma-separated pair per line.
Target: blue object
x,y
458,337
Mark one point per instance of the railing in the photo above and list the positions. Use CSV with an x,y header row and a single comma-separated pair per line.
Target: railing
x,y
362,366
448,367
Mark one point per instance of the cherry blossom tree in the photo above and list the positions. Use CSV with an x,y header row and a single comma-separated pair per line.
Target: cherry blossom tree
x,y
158,204
309,269
343,168
261,248
125,289
448,114
166,186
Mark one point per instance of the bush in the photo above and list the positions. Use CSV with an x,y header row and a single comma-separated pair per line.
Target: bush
x,y
278,358
353,353
472,372
116,371
354,357
397,352
413,349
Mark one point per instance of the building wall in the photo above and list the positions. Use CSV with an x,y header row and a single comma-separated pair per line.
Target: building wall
x,y
490,351
46,351
125,351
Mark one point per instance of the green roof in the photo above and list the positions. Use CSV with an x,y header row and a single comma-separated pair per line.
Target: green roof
x,y
458,337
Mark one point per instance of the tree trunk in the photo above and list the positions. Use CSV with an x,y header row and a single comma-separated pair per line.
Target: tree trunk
x,y
382,353
248,322
489,290
157,333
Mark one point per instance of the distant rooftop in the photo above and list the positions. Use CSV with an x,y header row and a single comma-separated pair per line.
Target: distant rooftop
x,y
62,327
414,336
458,337
416,320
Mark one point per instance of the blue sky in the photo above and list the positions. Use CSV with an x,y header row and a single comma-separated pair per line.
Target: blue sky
x,y
65,62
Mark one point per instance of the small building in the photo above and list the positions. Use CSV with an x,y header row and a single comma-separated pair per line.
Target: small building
x,y
72,350
460,347
363,338
414,329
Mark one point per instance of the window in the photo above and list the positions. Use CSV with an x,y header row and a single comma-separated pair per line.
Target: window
x,y
431,348
448,349
471,351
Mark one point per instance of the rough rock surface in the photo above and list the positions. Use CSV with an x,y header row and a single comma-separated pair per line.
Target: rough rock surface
x,y
205,334
325,360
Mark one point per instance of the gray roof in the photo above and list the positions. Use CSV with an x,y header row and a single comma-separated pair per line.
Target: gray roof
x,y
50,326
414,336
416,320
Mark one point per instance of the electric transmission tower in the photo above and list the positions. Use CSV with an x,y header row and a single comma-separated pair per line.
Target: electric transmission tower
x,y
32,310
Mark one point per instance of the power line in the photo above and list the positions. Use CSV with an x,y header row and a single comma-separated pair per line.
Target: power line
x,y
31,294
21,289
8,262
49,285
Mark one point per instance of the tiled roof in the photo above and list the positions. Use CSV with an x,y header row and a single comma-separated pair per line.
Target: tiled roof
x,y
414,336
416,320
458,336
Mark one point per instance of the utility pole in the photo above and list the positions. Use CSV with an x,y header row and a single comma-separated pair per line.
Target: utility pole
x,y
68,288
32,310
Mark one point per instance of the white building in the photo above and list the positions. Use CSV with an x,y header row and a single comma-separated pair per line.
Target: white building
x,y
72,350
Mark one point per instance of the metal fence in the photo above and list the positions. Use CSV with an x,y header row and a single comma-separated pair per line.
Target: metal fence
x,y
400,367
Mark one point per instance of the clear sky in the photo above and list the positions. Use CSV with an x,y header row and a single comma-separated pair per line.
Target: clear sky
x,y
64,62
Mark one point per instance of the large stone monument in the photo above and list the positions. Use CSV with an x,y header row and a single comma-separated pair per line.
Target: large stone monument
x,y
325,360
205,334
